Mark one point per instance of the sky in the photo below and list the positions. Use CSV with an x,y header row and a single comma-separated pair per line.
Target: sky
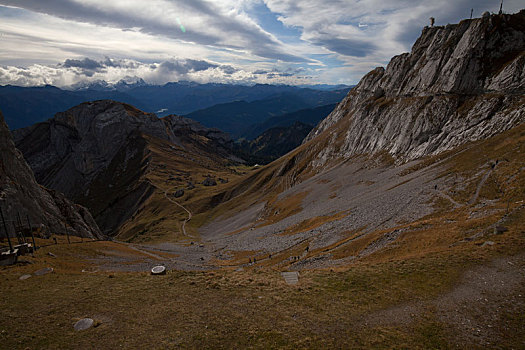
x,y
298,42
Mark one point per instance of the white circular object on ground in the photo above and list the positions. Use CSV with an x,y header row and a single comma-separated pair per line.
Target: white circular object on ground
x,y
158,270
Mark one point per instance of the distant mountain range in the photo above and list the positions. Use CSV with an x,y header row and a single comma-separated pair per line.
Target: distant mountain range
x,y
24,106
244,119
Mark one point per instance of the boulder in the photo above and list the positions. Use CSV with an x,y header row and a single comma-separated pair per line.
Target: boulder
x,y
209,182
84,324
179,193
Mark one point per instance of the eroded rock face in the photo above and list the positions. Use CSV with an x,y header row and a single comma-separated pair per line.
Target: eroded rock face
x,y
97,154
460,83
68,151
20,193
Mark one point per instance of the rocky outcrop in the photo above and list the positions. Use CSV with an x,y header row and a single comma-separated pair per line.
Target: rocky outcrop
x,y
460,83
20,193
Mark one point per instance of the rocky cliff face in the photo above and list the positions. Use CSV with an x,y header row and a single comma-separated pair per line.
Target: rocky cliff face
x,y
97,154
460,83
20,193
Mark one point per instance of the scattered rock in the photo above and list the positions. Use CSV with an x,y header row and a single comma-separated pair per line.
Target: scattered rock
x,y
24,277
487,243
191,186
83,324
500,229
44,271
209,182
179,193
223,181
158,270
51,254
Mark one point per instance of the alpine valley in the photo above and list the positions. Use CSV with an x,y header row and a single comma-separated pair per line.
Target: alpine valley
x,y
386,215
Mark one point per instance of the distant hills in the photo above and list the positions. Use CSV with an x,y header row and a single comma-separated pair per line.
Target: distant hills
x,y
244,119
24,106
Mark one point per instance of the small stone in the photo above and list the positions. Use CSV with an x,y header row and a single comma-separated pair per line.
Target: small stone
x,y
83,324
44,271
209,182
487,243
51,254
24,277
179,193
500,229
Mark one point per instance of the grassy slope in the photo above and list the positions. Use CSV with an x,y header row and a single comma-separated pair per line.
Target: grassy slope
x,y
252,308
171,168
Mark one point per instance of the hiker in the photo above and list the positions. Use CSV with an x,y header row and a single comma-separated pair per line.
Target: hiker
x,y
307,248
254,260
432,20
435,187
250,260
55,239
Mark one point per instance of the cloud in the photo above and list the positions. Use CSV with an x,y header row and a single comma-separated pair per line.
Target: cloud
x,y
79,72
335,41
206,23
185,66
86,63
227,69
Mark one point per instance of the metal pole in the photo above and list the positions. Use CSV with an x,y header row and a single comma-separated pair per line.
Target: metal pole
x,y
67,234
20,227
31,230
6,231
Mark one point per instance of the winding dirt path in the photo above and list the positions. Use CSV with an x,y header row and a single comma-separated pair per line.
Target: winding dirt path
x,y
447,197
187,211
480,185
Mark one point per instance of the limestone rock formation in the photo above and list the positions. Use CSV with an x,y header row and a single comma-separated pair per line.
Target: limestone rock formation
x,y
460,83
97,154
20,193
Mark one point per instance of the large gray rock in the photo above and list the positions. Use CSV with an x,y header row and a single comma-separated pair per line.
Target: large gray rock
x,y
20,193
83,324
460,83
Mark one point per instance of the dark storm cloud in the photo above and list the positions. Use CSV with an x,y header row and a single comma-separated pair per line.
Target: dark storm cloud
x,y
347,47
227,69
85,63
186,66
